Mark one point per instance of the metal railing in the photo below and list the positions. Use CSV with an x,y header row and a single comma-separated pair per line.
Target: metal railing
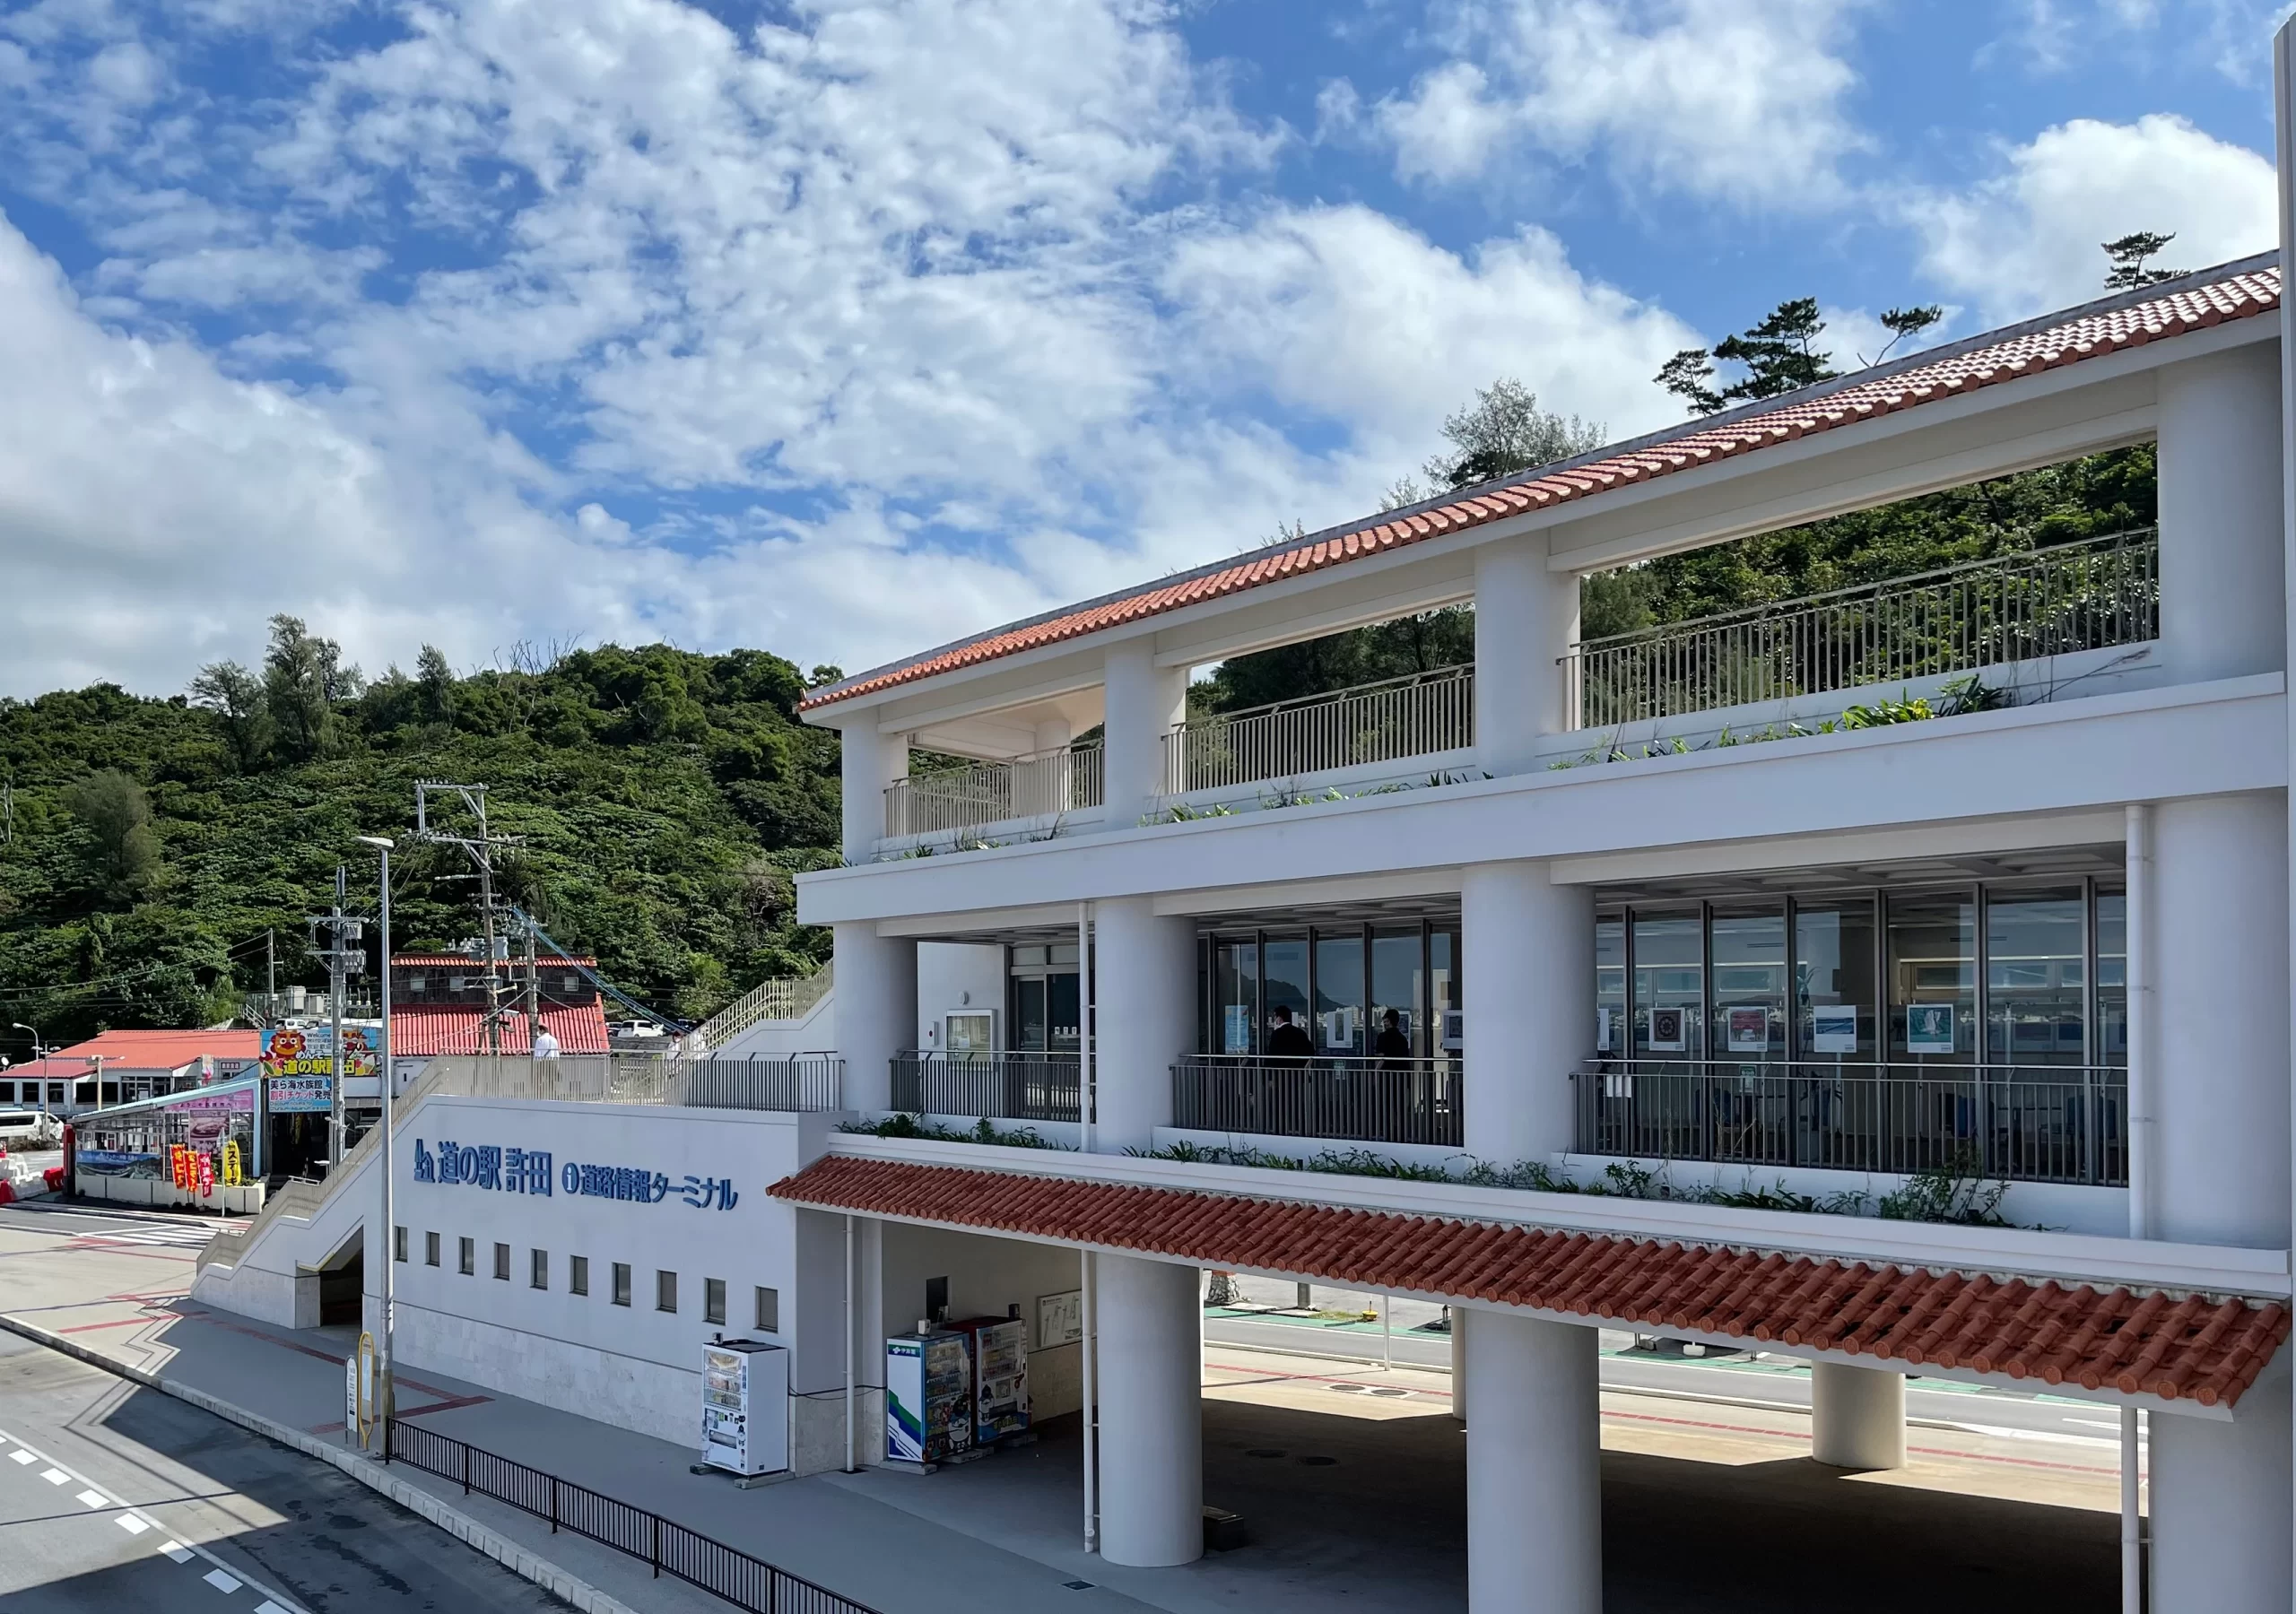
x,y
1418,716
665,1544
794,1081
783,997
2083,595
2036,1124
1360,1099
1002,1087
1044,785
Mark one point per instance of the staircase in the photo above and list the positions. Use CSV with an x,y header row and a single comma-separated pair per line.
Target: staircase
x,y
785,997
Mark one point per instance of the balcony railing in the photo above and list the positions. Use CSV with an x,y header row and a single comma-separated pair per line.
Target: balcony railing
x,y
2083,595
1421,716
954,800
790,1082
1368,1101
1004,1087
2038,1124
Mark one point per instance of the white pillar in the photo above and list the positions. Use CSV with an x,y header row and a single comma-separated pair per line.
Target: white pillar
x,y
2222,612
2220,1034
869,764
1459,1361
2221,1500
1856,1416
1144,979
876,1008
1143,701
1535,1476
1052,734
1151,1412
1525,617
1529,970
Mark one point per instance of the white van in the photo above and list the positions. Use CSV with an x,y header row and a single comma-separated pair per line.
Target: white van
x,y
23,1129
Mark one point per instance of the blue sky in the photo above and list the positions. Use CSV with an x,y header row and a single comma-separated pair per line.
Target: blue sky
x,y
843,329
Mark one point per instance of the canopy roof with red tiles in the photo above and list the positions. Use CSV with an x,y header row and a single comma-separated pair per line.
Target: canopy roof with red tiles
x,y
2174,1346
430,1030
2235,290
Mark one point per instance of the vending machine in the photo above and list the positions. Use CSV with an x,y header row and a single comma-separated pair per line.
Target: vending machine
x,y
746,1407
928,1397
999,1349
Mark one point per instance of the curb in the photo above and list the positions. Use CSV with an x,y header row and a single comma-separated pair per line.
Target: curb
x,y
366,1470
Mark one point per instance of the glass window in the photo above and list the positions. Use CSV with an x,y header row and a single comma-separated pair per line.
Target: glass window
x,y
398,1244
1670,985
2112,979
1748,995
1235,985
621,1283
503,1262
1446,992
468,1252
1030,1026
1610,986
538,1269
430,1249
769,1310
1283,986
1932,977
713,1300
1833,980
1397,961
2036,991
8,1092
577,1274
1063,1009
666,1291
1339,993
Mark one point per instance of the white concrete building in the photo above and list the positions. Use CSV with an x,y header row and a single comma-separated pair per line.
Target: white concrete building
x,y
1695,902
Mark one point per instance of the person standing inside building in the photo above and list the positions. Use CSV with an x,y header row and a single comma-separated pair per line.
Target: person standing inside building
x,y
1288,1041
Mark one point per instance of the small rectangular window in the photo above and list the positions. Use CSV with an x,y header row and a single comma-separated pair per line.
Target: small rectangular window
x,y
7,1092
621,1283
573,982
768,1311
415,983
398,1244
539,1276
666,1291
577,1274
503,1262
430,1249
713,1300
468,1250
453,982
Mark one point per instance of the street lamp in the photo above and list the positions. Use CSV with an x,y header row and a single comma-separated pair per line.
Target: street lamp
x,y
384,1400
39,1054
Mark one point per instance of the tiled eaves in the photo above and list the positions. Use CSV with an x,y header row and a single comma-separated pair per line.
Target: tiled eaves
x,y
2174,1346
2196,302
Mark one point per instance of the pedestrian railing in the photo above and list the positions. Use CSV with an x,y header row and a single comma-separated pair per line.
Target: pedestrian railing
x,y
1361,1099
2041,1124
783,997
668,1547
787,1082
951,799
1002,1087
804,1083
1422,715
2088,595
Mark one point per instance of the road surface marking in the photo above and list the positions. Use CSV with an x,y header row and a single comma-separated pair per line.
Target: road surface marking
x,y
177,1550
25,1457
57,1477
221,1580
89,1498
132,1525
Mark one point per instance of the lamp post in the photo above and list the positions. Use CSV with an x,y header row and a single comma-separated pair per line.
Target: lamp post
x,y
384,1400
40,1057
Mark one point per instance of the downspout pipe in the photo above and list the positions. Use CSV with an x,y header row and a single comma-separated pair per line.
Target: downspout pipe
x,y
2137,971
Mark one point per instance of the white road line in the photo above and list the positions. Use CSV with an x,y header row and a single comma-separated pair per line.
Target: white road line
x,y
88,1499
181,1552
24,1457
268,1606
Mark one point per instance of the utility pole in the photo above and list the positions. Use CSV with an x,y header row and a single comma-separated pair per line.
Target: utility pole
x,y
479,847
270,974
346,955
534,991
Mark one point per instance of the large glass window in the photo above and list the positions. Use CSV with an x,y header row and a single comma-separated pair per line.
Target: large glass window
x,y
1235,984
1398,960
1610,988
1833,980
1448,991
1932,977
1339,993
1670,985
2112,979
1749,997
1283,981
2036,989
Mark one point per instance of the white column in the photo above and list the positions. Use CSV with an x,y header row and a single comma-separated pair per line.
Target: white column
x,y
1144,977
1529,970
2220,1034
869,763
1143,701
2220,1499
1535,1477
1459,1361
1525,617
2223,611
1041,785
1856,1416
876,1008
1152,1414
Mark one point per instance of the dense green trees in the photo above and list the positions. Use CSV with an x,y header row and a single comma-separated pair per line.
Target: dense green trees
x,y
665,801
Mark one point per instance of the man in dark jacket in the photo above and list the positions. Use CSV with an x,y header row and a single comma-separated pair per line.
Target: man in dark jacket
x,y
1286,1040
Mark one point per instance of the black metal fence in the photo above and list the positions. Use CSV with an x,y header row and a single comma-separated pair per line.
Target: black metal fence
x,y
794,1081
2037,1123
667,1545
1369,1100
1005,1087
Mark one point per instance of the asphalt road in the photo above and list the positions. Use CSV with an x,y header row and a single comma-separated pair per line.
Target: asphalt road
x,y
113,1497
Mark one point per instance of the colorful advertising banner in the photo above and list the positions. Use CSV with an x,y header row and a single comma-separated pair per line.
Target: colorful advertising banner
x,y
310,1051
301,1095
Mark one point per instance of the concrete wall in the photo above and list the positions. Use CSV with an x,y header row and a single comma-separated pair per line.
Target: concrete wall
x,y
950,975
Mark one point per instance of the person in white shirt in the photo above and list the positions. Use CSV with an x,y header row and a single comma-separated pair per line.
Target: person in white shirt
x,y
545,1045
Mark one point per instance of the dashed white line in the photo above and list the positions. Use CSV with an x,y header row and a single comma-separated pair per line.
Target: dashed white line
x,y
223,1580
22,1457
131,1523
177,1550
57,1477
88,1499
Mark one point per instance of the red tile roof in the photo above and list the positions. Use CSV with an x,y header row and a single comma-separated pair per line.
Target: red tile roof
x,y
2177,1346
165,1050
434,1029
465,961
2237,290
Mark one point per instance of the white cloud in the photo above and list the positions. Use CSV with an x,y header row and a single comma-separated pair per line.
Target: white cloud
x,y
1709,98
2026,239
2231,37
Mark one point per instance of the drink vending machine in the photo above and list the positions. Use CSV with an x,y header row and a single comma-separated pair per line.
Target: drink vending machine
x,y
746,1407
928,1396
999,1348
